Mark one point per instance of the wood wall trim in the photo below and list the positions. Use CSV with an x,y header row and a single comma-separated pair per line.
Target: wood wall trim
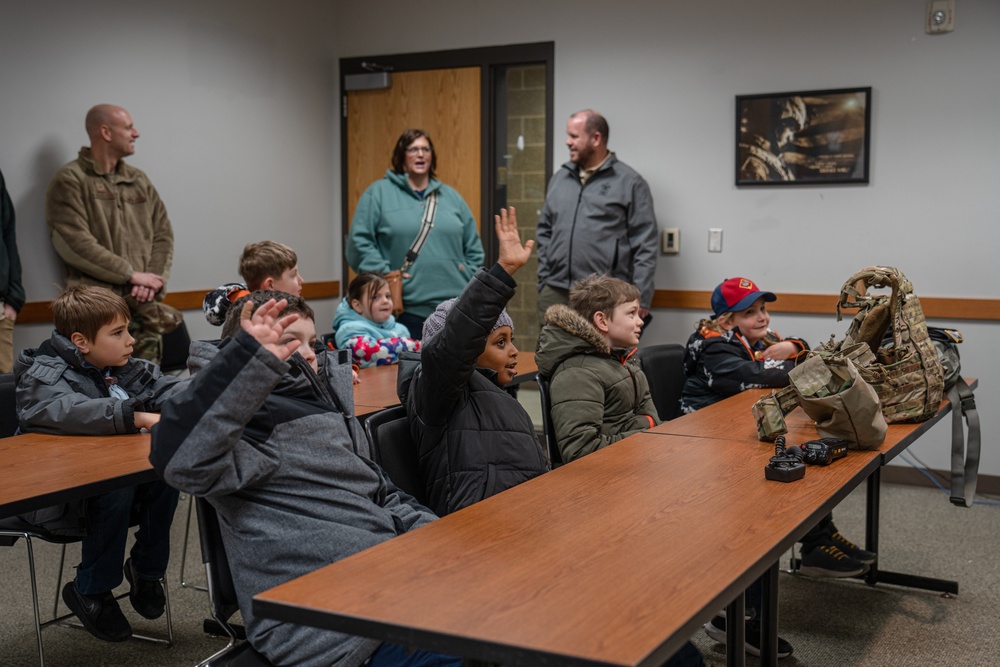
x,y
37,312
944,308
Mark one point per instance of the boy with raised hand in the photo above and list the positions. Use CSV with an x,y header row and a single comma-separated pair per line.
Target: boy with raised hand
x,y
266,433
84,381
599,393
474,438
266,265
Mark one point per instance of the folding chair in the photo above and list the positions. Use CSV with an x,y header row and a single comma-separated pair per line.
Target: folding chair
x,y
222,594
394,450
555,457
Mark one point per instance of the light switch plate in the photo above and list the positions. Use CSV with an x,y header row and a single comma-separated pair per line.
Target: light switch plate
x,y
671,240
715,240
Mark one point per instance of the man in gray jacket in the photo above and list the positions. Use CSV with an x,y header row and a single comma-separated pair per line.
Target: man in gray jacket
x,y
598,218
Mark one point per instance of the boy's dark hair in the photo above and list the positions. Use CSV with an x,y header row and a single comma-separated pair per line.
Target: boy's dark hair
x,y
263,260
296,304
600,293
366,283
85,309
404,141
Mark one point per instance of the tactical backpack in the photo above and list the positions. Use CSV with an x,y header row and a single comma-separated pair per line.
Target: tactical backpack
x,y
906,374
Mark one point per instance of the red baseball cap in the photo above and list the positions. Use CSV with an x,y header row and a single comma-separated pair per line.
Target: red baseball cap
x,y
735,294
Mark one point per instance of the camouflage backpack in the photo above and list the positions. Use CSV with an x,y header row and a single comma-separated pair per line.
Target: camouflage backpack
x,y
889,346
906,372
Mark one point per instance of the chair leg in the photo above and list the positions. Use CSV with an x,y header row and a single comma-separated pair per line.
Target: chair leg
x,y
34,592
59,581
184,548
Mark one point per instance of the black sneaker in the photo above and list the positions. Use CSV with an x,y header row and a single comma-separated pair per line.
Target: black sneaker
x,y
716,629
146,595
100,614
826,560
853,550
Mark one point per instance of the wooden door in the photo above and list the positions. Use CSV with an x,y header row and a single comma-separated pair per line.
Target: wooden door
x,y
445,103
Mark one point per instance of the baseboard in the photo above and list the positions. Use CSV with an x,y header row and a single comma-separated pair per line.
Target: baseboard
x,y
988,484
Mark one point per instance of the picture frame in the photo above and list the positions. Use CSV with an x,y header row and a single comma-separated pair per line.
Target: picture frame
x,y
815,137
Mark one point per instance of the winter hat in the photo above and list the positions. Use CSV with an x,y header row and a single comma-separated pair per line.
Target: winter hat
x,y
736,294
435,321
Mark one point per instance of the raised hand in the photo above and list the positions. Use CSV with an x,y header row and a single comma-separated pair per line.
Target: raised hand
x,y
513,255
267,326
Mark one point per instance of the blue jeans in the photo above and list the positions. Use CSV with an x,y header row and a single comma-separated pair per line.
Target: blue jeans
x,y
394,655
110,515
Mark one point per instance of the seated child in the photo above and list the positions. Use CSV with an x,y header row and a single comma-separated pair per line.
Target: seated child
x,y
364,324
265,265
599,393
475,439
734,351
84,381
266,432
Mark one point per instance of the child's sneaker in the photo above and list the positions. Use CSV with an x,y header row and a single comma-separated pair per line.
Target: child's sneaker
x,y
716,629
826,560
853,550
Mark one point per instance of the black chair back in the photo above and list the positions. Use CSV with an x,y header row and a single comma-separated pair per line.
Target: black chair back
x,y
394,450
555,457
221,590
222,594
176,345
8,406
663,366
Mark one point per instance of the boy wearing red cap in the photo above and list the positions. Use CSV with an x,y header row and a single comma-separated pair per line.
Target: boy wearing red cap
x,y
734,351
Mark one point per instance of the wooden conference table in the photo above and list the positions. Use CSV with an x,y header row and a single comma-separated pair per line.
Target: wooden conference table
x,y
377,389
40,470
614,559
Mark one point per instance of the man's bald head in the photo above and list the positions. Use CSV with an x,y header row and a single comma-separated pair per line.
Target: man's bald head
x,y
112,134
102,114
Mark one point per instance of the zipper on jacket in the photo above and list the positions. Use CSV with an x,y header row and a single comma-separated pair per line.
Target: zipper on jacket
x,y
572,233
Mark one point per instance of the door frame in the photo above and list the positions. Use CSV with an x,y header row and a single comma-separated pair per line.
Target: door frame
x,y
489,59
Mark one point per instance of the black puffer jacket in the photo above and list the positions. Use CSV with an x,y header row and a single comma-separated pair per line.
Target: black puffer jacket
x,y
722,363
475,439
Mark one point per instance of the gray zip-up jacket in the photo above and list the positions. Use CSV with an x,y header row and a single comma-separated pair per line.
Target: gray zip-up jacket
x,y
606,226
277,451
57,392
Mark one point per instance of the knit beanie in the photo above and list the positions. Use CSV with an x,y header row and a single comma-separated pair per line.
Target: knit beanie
x,y
435,321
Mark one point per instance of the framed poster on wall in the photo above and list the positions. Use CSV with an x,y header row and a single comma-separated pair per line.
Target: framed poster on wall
x,y
808,137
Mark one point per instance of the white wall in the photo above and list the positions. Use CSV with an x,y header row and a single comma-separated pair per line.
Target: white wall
x,y
666,74
236,100
235,103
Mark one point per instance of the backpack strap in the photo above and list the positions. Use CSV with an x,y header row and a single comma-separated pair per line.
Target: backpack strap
x,y
964,477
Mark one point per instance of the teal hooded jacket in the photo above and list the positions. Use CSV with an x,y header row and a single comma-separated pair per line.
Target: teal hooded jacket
x,y
387,220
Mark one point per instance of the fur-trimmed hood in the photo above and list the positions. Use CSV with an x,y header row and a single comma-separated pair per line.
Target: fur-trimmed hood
x,y
566,334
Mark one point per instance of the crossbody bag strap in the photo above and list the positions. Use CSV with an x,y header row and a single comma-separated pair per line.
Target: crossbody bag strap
x,y
964,474
426,224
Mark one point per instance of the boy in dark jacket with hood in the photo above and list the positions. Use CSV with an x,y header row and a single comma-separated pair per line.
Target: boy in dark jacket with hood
x,y
267,433
475,439
84,381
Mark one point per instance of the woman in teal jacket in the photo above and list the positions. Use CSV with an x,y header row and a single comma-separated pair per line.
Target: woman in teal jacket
x,y
387,220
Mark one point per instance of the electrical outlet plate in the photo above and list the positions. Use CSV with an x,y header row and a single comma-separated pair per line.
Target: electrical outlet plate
x,y
940,16
715,240
671,240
